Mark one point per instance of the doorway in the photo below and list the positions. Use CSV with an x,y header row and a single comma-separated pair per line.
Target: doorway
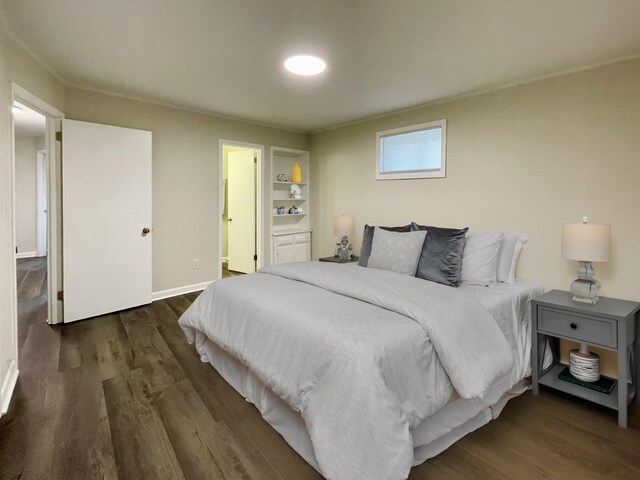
x,y
241,208
35,166
30,204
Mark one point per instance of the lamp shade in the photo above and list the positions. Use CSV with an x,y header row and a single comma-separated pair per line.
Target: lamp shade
x,y
586,241
343,225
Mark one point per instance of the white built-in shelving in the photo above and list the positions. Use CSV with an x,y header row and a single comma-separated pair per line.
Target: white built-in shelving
x,y
290,233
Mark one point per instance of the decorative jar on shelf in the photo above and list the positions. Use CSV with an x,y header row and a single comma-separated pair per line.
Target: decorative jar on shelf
x,y
296,173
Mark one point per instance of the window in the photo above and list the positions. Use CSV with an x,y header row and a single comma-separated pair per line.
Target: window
x,y
418,151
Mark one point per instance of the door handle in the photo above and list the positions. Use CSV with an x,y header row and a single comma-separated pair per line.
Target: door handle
x,y
145,231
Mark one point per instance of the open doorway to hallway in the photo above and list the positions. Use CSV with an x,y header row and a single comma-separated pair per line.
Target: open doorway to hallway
x,y
241,207
30,207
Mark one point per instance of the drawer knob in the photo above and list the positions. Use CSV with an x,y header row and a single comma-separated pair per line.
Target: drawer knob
x,y
573,326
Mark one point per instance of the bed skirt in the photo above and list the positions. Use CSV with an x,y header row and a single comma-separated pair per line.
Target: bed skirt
x,y
431,437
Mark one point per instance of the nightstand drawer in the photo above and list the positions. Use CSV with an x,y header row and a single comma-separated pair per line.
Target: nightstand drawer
x,y
591,330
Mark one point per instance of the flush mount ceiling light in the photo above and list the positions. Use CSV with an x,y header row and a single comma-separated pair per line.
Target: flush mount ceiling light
x,y
305,65
15,108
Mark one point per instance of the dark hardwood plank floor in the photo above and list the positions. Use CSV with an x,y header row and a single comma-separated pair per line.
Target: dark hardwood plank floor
x,y
124,396
229,273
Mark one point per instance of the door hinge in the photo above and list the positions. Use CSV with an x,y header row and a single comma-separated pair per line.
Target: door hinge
x,y
58,136
255,258
255,159
61,295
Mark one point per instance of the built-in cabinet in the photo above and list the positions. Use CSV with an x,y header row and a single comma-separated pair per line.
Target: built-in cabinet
x,y
291,247
290,232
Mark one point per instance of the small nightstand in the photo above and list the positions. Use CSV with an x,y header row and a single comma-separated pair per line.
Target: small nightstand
x,y
335,259
609,324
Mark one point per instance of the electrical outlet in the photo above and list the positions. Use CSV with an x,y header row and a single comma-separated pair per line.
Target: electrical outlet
x,y
196,263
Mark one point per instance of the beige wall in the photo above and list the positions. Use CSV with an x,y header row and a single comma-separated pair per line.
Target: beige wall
x,y
15,66
185,177
26,168
526,158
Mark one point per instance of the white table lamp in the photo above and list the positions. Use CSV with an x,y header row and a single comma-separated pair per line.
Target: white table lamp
x,y
343,227
586,242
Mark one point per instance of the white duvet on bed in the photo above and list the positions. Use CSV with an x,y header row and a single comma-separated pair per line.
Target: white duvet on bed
x,y
351,356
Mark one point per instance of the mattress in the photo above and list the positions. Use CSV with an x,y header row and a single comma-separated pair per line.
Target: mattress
x,y
507,303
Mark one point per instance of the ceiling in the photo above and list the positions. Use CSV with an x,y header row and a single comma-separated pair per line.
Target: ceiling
x,y
225,57
28,122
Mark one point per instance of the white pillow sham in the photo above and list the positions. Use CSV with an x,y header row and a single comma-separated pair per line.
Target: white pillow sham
x,y
396,252
509,253
480,257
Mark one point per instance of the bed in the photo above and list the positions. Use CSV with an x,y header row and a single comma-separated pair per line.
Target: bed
x,y
365,372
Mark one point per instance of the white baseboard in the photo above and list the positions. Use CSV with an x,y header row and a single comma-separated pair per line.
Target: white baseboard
x,y
26,255
8,385
172,292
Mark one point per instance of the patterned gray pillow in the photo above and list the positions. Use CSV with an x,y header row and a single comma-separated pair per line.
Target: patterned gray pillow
x,y
396,252
367,240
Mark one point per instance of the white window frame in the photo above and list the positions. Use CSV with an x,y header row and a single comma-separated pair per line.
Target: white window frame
x,y
440,173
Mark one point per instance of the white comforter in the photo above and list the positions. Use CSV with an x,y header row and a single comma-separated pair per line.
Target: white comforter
x,y
350,355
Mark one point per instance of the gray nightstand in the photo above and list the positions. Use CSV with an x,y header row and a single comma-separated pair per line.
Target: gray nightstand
x,y
609,324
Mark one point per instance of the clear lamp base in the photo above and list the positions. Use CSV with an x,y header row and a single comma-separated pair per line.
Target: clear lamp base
x,y
585,288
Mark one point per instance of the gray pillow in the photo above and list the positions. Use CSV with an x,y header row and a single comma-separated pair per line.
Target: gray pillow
x,y
367,241
441,257
395,251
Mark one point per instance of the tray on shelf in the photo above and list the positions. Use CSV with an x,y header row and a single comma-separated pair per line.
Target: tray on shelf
x,y
604,385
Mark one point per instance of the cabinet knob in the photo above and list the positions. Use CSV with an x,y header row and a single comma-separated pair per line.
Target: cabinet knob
x,y
573,326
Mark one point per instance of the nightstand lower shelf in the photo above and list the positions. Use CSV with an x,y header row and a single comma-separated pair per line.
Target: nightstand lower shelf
x,y
550,379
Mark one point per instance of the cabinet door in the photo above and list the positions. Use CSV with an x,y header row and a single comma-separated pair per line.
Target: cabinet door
x,y
302,252
285,254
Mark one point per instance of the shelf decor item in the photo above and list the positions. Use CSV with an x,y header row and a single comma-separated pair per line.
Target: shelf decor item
x,y
280,210
282,177
296,173
294,210
343,226
296,192
584,365
604,385
586,242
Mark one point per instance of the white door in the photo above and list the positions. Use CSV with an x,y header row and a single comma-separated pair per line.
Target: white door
x,y
106,185
241,211
41,203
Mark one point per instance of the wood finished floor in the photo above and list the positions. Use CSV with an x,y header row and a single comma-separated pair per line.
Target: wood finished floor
x,y
226,273
124,396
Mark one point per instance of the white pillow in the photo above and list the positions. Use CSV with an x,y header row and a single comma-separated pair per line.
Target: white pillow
x,y
480,257
509,253
396,251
